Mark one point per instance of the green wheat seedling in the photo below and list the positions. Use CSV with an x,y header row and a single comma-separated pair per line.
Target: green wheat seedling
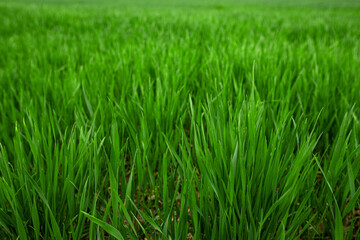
x,y
179,120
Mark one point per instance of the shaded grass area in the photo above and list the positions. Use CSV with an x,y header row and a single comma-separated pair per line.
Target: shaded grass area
x,y
179,122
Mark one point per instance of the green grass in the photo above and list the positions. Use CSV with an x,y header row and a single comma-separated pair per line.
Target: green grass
x,y
171,120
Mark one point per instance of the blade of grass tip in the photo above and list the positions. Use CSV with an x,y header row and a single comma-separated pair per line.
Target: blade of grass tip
x,y
141,226
173,153
165,183
88,105
104,225
306,226
147,218
84,199
277,203
232,174
4,219
129,183
127,216
54,224
20,227
339,231
113,170
35,218
10,195
351,205
351,177
302,213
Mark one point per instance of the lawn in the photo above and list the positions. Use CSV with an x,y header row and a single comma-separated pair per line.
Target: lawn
x,y
179,119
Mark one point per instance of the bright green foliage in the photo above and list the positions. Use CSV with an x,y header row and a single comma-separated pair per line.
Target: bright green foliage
x,y
174,121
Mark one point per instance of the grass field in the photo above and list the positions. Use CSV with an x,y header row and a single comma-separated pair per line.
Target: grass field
x,y
179,120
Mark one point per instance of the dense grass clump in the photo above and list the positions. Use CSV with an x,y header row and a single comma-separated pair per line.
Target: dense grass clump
x,y
179,121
